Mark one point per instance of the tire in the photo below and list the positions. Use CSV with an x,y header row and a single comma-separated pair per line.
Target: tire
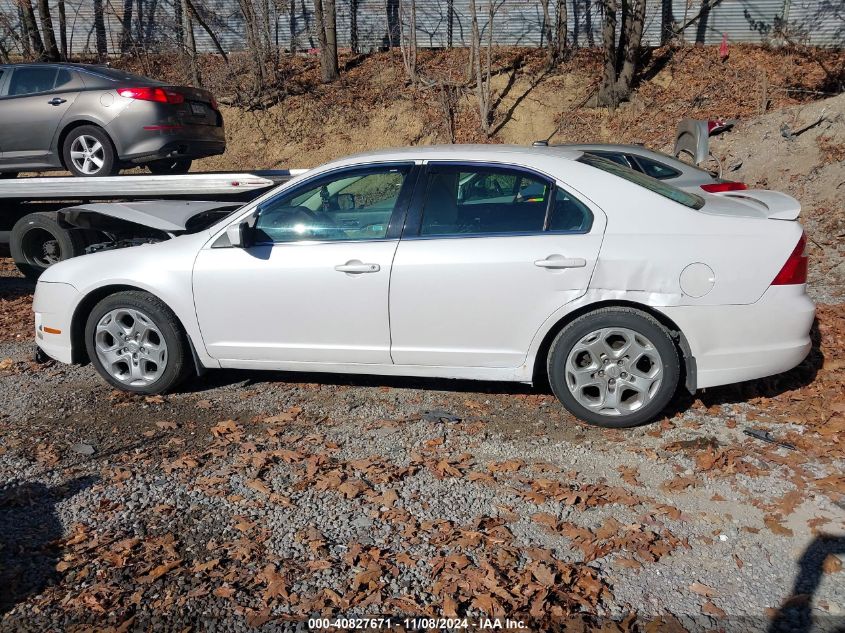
x,y
170,166
38,241
153,372
644,382
101,151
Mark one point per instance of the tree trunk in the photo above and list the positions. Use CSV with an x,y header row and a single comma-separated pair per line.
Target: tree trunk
x,y
195,15
31,28
100,31
408,44
52,48
620,58
353,26
62,29
324,12
561,17
633,28
608,33
126,26
191,45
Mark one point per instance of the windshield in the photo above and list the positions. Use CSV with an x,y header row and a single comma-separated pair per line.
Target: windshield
x,y
652,184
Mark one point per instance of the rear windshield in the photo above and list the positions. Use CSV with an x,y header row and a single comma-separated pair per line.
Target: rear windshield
x,y
118,75
652,184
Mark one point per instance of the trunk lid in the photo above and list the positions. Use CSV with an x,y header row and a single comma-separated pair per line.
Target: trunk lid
x,y
752,203
199,108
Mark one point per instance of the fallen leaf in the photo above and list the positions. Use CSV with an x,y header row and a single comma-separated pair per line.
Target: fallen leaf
x,y
702,589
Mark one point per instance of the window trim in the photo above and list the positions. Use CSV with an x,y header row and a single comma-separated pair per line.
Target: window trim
x,y
395,222
413,219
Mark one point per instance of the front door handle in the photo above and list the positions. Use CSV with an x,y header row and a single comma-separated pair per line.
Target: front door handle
x,y
56,101
559,261
357,267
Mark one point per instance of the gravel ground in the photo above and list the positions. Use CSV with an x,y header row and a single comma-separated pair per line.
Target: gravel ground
x,y
262,499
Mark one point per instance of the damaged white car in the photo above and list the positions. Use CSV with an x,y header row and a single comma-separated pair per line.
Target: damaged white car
x,y
476,262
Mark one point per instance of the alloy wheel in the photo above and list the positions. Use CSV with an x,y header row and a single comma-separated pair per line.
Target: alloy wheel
x,y
87,154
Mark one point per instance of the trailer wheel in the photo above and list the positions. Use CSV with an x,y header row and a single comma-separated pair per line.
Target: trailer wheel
x,y
38,241
6,175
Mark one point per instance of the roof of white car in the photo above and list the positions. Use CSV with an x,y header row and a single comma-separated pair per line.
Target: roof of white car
x,y
491,153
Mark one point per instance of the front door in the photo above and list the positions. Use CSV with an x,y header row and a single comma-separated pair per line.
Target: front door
x,y
313,288
489,254
35,101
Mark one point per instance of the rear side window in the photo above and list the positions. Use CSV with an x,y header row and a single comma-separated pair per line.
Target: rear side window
x,y
32,81
460,200
569,213
652,184
654,168
63,78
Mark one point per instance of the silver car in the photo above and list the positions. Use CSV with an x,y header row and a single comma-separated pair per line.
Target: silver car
x,y
661,166
94,120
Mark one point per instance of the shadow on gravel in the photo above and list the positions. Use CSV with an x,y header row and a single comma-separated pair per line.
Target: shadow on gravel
x,y
796,613
224,377
29,529
769,387
15,287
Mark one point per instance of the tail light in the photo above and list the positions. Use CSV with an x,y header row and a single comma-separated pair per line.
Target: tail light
x,y
719,187
150,93
794,271
213,102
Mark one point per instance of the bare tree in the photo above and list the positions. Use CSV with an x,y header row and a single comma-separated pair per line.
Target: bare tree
x,y
620,57
408,43
483,70
51,47
555,31
100,30
126,26
326,17
62,28
30,28
190,44
196,15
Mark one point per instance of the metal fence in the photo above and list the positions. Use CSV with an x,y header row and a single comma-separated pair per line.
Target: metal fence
x,y
372,24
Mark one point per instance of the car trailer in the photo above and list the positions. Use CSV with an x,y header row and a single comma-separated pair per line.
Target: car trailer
x,y
35,212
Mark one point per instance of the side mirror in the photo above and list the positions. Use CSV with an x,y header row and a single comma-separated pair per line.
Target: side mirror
x,y
238,235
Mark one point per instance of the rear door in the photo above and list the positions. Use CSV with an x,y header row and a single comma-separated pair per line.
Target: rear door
x,y
35,100
488,254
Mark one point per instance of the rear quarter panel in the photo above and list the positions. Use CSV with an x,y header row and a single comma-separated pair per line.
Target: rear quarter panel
x,y
650,240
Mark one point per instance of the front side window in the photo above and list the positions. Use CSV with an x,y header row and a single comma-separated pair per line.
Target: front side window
x,y
350,206
652,184
32,81
461,200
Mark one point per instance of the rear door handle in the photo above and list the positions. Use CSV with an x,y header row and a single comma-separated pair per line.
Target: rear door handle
x,y
56,101
357,267
559,261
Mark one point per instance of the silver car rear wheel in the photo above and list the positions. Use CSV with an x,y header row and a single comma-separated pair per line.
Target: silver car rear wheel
x,y
87,154
614,371
130,347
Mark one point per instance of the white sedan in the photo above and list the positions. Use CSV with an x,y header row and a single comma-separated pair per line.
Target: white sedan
x,y
480,262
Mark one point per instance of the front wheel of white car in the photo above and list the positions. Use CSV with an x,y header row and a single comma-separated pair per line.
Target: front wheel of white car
x,y
136,343
614,367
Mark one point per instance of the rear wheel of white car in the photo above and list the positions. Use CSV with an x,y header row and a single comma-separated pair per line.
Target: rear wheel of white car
x,y
615,367
136,343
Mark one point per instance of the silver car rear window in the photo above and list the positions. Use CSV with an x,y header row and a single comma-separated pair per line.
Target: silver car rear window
x,y
652,184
